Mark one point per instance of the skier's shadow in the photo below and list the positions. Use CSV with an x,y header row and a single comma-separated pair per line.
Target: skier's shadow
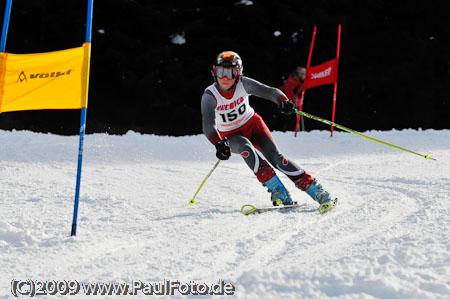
x,y
298,211
301,210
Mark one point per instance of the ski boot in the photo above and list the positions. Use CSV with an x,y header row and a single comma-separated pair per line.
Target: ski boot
x,y
280,195
319,194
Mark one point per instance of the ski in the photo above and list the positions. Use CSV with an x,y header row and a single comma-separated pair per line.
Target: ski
x,y
250,209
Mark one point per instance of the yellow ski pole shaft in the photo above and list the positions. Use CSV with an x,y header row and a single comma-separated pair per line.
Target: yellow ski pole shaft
x,y
357,133
192,200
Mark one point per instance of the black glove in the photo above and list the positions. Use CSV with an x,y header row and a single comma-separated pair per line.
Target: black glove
x,y
287,107
223,151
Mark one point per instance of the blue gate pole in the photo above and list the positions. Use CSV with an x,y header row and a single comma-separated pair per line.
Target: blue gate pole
x,y
82,125
5,25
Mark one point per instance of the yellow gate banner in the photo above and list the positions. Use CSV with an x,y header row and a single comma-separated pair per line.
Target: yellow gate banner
x,y
53,80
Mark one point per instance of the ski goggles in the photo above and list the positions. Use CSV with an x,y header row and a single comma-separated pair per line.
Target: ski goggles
x,y
230,73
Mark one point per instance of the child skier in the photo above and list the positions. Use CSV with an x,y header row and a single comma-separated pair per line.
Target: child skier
x,y
231,124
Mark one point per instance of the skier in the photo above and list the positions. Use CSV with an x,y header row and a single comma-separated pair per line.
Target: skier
x,y
231,124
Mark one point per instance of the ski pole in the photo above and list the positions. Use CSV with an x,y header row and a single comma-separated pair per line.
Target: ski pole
x,y
192,200
357,133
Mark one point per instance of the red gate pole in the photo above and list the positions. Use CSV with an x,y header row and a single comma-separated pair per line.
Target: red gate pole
x,y
335,83
303,91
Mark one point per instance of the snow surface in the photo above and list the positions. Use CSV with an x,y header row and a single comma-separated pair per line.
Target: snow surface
x,y
388,238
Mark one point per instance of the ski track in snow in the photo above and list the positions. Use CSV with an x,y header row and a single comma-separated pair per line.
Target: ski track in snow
x,y
387,238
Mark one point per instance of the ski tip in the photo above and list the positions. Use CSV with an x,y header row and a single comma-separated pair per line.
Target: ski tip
x,y
326,206
248,209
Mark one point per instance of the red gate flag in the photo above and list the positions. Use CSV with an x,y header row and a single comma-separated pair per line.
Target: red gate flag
x,y
325,73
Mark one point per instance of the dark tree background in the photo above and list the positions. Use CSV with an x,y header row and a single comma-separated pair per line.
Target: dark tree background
x,y
394,69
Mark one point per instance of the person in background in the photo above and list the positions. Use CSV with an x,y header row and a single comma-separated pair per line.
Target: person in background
x,y
293,85
232,126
